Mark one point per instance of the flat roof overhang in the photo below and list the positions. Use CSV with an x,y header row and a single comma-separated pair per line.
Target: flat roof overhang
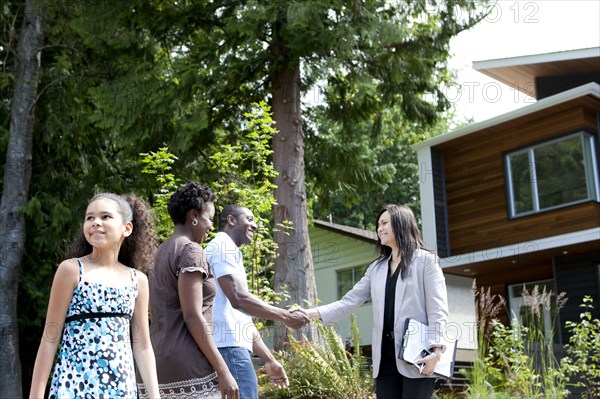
x,y
589,90
521,72
522,258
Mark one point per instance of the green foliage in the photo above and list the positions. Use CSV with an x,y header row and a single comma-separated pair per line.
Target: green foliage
x,y
245,176
159,164
322,372
384,166
487,307
583,350
478,386
120,78
516,361
510,367
245,170
446,395
380,69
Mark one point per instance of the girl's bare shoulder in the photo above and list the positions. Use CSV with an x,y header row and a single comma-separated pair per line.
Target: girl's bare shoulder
x,y
68,271
141,277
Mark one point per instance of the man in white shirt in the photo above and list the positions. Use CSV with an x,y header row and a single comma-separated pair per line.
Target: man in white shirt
x,y
234,332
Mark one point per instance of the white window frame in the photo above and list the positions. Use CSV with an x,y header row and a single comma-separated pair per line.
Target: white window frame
x,y
590,165
357,273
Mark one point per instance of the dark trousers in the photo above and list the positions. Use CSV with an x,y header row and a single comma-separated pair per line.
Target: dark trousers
x,y
400,387
390,384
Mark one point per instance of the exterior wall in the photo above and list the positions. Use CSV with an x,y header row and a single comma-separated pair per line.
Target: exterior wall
x,y
483,240
479,229
426,194
475,185
546,86
461,305
577,276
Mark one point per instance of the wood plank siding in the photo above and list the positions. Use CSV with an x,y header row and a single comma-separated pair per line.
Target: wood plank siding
x,y
475,189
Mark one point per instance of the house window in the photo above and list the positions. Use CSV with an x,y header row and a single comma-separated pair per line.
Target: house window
x,y
347,278
552,174
534,305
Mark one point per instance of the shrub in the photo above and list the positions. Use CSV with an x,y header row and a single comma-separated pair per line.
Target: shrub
x,y
516,361
322,372
583,351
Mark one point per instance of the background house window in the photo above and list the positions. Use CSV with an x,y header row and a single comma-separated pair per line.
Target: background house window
x,y
552,174
347,278
534,304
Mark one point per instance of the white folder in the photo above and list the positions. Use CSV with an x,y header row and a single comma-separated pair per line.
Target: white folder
x,y
414,347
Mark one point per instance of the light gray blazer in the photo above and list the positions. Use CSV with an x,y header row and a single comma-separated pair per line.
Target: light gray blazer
x,y
421,296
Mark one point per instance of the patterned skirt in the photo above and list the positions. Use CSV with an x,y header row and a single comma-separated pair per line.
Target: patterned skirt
x,y
196,388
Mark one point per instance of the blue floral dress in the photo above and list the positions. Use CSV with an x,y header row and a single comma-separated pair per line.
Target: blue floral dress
x,y
95,360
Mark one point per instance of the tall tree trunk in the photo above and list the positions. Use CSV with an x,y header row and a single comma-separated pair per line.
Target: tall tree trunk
x,y
17,175
294,271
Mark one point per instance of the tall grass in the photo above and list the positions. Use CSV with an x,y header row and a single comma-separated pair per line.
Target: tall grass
x,y
516,361
540,343
488,306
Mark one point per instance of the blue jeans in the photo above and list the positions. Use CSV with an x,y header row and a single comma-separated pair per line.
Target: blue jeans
x,y
240,366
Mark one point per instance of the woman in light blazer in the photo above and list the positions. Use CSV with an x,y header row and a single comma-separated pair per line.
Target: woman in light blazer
x,y
404,281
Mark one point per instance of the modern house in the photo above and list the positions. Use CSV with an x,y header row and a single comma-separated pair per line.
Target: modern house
x,y
513,201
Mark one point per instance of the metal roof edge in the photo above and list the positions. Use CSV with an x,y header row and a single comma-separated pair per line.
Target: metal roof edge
x,y
558,56
591,88
347,230
520,248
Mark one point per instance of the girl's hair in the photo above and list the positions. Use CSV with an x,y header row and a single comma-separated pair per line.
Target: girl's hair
x,y
138,249
406,234
189,196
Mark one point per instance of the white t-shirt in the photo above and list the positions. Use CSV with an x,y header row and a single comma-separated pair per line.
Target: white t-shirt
x,y
231,327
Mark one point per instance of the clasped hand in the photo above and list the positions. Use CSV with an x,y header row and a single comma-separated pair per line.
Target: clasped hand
x,y
296,317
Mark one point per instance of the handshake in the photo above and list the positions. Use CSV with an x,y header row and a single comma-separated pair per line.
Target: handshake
x,y
297,317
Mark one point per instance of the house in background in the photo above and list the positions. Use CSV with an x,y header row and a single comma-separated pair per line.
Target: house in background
x,y
513,201
341,255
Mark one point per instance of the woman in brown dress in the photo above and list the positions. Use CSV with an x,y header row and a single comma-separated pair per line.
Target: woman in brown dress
x,y
182,289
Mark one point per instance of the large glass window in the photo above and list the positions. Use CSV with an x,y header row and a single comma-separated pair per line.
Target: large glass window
x,y
552,174
347,278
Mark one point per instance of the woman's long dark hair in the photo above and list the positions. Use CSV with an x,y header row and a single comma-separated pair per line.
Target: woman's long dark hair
x,y
138,249
406,233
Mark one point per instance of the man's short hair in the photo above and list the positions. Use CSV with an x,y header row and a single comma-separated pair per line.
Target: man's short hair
x,y
234,210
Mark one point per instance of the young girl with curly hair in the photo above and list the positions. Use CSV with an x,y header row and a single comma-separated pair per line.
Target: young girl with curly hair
x,y
98,308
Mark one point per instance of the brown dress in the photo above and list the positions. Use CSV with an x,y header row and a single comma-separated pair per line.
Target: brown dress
x,y
183,370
